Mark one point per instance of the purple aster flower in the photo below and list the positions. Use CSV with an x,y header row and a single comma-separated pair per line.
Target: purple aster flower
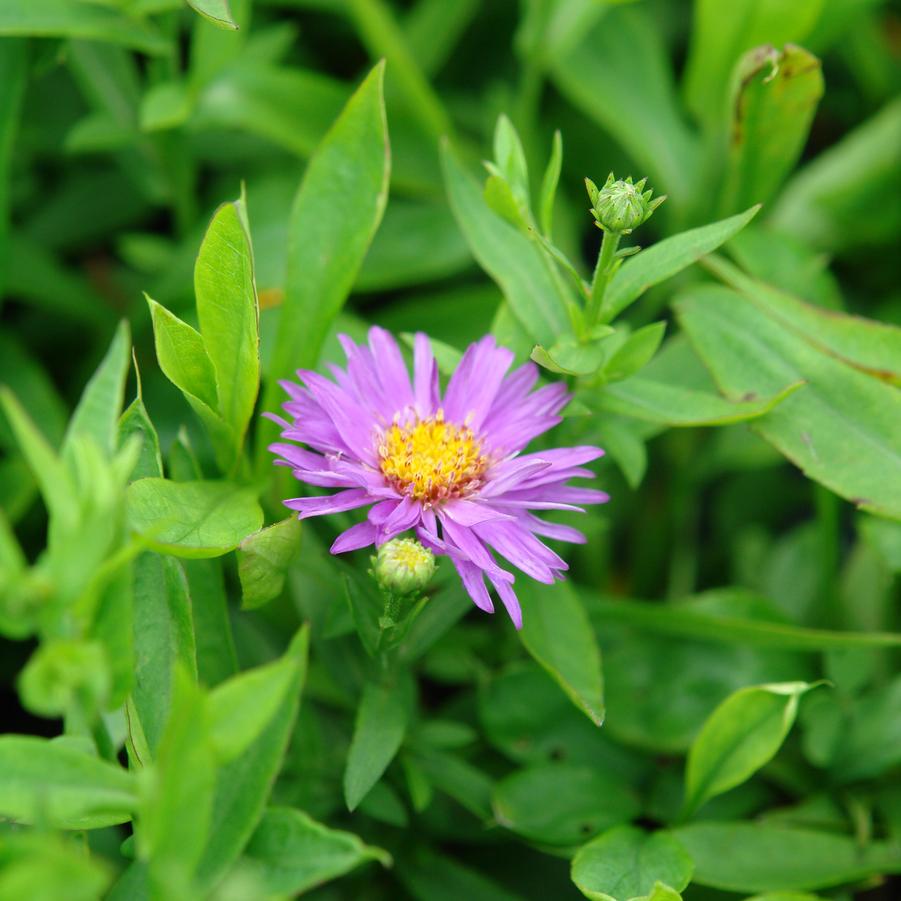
x,y
451,468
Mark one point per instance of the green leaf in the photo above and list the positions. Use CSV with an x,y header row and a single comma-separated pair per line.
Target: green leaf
x,y
557,633
336,212
73,19
839,200
647,399
510,160
775,95
378,732
694,618
98,410
47,782
562,804
42,866
163,638
229,315
176,812
215,11
751,857
182,355
626,862
63,673
666,258
166,105
842,429
620,75
239,709
517,264
717,42
192,519
216,658
569,356
738,738
243,785
549,185
635,353
867,344
290,852
263,560
431,876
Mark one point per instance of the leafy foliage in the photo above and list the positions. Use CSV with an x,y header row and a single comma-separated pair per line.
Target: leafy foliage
x,y
197,197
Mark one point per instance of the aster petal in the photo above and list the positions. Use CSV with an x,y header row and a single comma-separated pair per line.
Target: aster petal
x,y
511,473
474,583
361,535
554,530
522,549
331,503
476,382
392,371
425,377
404,516
468,513
509,600
466,542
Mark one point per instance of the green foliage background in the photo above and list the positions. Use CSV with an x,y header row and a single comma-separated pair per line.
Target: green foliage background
x,y
198,701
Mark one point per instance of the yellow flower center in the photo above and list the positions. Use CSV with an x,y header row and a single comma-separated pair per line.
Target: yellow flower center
x,y
432,460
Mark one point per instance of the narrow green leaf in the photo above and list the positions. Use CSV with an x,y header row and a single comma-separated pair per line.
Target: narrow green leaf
x,y
336,212
182,355
163,638
239,709
752,857
868,344
635,353
569,356
549,185
717,42
626,862
740,736
775,95
619,74
192,519
229,314
838,200
263,559
559,803
166,105
176,813
216,657
666,258
557,633
215,11
243,785
290,852
647,399
98,410
378,732
73,19
517,264
47,782
842,429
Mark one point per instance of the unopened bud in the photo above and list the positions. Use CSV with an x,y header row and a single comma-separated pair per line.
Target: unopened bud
x,y
621,206
403,566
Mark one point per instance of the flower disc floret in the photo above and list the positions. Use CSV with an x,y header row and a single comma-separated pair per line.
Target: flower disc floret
x,y
432,460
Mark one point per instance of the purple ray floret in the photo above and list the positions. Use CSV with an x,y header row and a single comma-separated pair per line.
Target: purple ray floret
x,y
451,468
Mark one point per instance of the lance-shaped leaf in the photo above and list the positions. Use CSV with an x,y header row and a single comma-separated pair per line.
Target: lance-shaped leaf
x,y
739,737
263,559
336,212
557,632
775,94
192,519
290,852
843,428
215,11
50,782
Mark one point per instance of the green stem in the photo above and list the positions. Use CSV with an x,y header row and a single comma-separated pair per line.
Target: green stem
x,y
602,273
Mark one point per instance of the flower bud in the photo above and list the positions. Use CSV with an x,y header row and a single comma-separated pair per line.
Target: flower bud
x,y
403,566
621,206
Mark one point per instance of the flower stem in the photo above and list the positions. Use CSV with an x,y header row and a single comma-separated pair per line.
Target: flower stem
x,y
602,273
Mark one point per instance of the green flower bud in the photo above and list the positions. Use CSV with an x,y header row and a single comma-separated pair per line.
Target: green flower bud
x,y
403,566
621,206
